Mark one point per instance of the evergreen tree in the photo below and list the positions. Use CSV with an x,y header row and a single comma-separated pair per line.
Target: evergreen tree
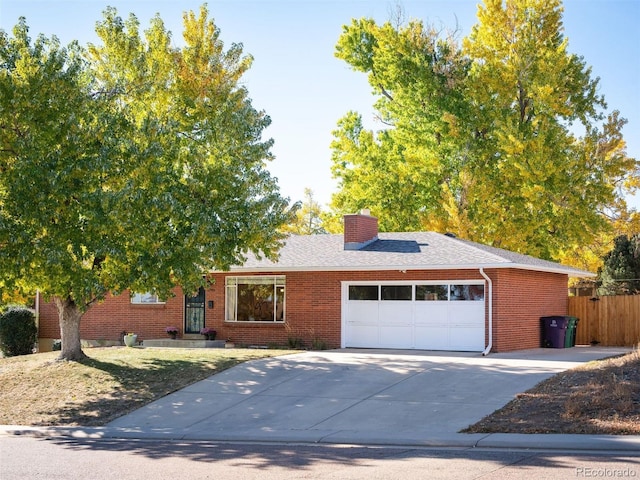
x,y
620,274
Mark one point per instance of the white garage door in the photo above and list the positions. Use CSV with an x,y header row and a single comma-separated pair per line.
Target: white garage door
x,y
421,315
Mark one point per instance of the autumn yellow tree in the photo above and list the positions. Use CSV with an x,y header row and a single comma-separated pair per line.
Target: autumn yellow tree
x,y
545,189
308,220
501,138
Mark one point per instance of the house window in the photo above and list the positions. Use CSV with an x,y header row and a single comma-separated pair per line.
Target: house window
x,y
363,292
432,292
146,298
467,292
396,292
255,299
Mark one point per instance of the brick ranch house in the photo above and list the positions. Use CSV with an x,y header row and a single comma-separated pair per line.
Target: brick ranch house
x,y
415,290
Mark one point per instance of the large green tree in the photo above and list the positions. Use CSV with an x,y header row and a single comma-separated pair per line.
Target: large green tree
x,y
401,171
501,138
131,165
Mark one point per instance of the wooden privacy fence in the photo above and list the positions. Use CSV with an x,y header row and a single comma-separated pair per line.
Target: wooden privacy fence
x,y
611,321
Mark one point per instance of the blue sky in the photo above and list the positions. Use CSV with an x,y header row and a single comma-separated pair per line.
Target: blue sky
x,y
297,80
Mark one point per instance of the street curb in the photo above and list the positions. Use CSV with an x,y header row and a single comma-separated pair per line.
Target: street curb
x,y
562,441
553,442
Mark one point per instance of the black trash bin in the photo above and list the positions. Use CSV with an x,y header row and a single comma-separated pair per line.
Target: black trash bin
x,y
554,331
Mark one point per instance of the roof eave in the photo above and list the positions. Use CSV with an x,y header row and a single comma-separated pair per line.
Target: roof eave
x,y
573,273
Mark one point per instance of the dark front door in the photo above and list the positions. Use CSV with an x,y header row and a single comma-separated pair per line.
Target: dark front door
x,y
194,312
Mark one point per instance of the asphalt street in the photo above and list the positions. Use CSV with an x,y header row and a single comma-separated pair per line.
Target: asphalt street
x,y
30,457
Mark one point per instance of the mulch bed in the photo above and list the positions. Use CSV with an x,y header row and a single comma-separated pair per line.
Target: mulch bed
x,y
598,398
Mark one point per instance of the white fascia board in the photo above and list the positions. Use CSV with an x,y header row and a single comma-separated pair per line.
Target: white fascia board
x,y
561,270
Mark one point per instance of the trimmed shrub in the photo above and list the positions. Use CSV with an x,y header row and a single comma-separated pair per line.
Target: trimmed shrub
x,y
18,331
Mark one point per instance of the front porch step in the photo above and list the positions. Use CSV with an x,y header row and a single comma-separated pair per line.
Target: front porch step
x,y
185,343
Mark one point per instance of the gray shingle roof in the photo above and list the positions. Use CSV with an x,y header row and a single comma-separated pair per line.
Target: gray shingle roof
x,y
404,251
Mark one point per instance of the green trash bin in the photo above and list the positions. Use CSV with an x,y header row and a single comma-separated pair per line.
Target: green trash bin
x,y
570,337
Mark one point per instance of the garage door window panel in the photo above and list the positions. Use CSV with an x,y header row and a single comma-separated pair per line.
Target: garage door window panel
x,y
467,293
363,292
396,292
431,293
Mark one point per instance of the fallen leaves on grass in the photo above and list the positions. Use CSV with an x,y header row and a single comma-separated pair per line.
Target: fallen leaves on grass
x,y
600,397
38,390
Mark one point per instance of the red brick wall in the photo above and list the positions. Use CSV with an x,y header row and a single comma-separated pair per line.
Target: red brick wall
x,y
522,298
108,319
48,325
313,305
313,309
360,228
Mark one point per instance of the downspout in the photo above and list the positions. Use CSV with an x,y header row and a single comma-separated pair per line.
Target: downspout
x,y
490,345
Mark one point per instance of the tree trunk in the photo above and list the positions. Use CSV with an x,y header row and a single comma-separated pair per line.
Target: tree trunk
x,y
70,316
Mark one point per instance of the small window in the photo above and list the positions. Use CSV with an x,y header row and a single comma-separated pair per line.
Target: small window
x,y
467,292
146,298
363,292
432,292
396,292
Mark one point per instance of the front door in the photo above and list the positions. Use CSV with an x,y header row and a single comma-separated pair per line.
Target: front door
x,y
194,312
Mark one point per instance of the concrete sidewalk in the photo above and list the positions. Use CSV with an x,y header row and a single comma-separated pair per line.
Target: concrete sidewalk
x,y
355,396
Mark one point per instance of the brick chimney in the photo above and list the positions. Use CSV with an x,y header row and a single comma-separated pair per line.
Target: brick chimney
x,y
360,230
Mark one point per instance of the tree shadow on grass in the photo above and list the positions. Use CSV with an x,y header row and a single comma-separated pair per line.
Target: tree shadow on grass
x,y
133,388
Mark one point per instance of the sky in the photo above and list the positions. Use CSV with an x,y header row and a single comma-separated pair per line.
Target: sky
x,y
298,82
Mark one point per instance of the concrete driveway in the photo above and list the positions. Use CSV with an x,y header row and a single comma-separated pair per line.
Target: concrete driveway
x,y
351,396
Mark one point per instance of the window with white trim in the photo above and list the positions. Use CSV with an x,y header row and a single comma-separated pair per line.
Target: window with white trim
x,y
466,292
363,292
419,291
396,292
146,298
432,292
255,299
